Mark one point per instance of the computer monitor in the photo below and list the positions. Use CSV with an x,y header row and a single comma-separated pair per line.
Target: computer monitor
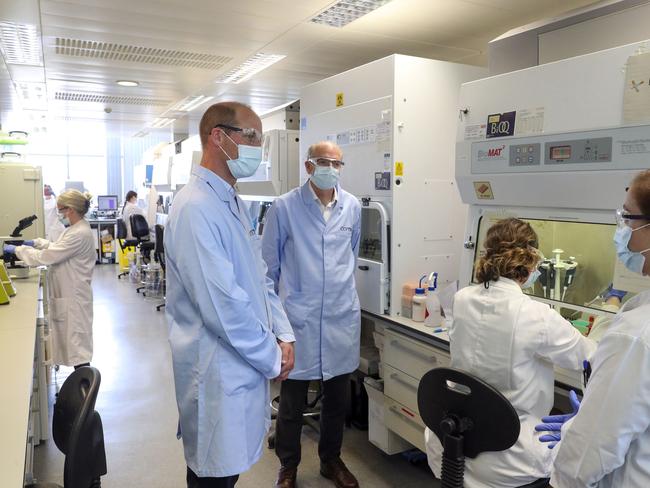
x,y
107,202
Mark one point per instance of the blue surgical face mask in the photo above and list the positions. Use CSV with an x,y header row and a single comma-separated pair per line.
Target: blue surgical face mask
x,y
64,220
325,178
532,278
634,261
246,164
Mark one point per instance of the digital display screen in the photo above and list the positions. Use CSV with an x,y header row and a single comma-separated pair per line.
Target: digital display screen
x,y
107,202
559,153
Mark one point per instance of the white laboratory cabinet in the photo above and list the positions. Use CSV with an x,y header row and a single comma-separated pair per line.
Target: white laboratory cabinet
x,y
21,195
280,168
395,120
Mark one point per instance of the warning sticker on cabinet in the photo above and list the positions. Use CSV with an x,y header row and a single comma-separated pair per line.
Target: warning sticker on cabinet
x,y
475,131
399,168
483,190
530,121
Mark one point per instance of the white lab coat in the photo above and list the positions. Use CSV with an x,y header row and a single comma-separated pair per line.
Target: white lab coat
x,y
128,210
511,341
70,262
53,228
224,319
312,263
607,444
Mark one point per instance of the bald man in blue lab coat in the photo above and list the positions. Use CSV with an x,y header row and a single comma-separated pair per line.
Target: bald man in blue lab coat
x,y
228,332
310,244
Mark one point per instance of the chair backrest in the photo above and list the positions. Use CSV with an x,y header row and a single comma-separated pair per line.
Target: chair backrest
x,y
159,249
77,428
447,392
139,227
121,229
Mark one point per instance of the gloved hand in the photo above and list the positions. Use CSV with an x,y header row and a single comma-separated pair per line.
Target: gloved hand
x,y
613,292
28,243
9,249
553,423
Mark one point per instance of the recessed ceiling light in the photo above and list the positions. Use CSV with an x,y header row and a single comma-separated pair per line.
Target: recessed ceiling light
x,y
160,122
127,83
188,104
250,67
345,11
21,44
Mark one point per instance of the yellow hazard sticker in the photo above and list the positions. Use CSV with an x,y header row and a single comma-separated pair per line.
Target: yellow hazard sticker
x,y
339,99
399,168
483,190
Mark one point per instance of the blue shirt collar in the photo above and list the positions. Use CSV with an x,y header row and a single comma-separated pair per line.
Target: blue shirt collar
x,y
218,184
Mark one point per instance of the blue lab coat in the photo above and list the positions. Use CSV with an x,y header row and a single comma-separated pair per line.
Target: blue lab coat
x,y
312,264
224,347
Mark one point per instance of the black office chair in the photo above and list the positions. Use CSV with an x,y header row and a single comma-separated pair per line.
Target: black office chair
x,y
159,256
469,417
77,431
140,232
124,242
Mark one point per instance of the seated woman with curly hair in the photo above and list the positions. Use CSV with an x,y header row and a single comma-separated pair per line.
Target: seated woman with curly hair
x,y
512,342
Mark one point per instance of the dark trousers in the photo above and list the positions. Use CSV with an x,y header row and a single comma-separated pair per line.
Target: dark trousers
x,y
193,481
293,398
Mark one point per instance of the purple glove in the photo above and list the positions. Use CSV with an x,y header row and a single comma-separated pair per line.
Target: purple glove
x,y
613,292
28,243
553,423
9,249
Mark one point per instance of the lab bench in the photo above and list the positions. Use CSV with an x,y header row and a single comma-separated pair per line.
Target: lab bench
x,y
98,225
23,394
408,350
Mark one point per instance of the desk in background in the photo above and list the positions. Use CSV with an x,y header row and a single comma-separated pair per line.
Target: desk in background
x,y
98,225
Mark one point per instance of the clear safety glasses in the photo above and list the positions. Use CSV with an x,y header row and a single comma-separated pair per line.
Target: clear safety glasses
x,y
623,217
252,136
327,162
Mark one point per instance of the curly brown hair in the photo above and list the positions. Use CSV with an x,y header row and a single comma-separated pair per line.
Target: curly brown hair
x,y
510,251
640,189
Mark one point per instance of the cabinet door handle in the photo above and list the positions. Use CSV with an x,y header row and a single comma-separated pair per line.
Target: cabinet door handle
x,y
414,352
396,377
405,415
364,268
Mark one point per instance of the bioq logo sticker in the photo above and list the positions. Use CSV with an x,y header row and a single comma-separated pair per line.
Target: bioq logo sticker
x,y
501,125
492,153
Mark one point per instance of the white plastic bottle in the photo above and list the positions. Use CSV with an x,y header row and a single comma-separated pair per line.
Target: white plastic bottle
x,y
433,316
419,305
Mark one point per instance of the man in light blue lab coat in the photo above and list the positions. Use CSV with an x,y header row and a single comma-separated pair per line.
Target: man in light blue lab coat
x,y
310,244
228,332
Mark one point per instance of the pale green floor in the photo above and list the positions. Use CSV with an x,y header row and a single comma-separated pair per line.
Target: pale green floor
x,y
138,409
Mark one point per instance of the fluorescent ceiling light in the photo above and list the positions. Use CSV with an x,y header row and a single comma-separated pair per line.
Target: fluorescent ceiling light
x,y
188,104
32,95
160,122
127,83
21,44
141,133
250,67
345,11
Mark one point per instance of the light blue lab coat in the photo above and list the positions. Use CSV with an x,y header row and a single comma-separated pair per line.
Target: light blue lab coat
x,y
224,349
312,264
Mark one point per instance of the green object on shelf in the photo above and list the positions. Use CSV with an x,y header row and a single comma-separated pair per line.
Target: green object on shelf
x,y
7,141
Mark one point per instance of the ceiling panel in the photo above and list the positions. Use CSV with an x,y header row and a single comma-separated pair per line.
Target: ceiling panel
x,y
456,30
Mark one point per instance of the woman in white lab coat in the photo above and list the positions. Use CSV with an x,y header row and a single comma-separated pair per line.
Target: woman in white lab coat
x,y
53,228
130,208
70,261
607,444
511,341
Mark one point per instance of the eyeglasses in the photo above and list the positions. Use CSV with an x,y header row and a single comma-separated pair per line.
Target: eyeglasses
x,y
622,217
251,135
327,162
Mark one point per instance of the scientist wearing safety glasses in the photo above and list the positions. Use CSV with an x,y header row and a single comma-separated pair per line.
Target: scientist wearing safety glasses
x,y
228,332
310,244
607,443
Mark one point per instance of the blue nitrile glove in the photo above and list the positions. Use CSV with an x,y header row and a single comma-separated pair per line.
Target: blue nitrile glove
x,y
613,292
9,249
553,423
28,243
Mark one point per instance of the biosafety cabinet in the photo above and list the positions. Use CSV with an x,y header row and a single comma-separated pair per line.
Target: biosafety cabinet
x,y
395,120
21,195
557,145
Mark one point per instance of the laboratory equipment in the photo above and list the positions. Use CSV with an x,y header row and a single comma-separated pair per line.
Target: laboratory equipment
x,y
419,303
394,119
560,156
107,202
434,317
5,282
21,195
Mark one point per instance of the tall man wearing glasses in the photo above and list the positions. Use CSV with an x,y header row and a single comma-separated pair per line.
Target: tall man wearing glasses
x,y
227,329
310,244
